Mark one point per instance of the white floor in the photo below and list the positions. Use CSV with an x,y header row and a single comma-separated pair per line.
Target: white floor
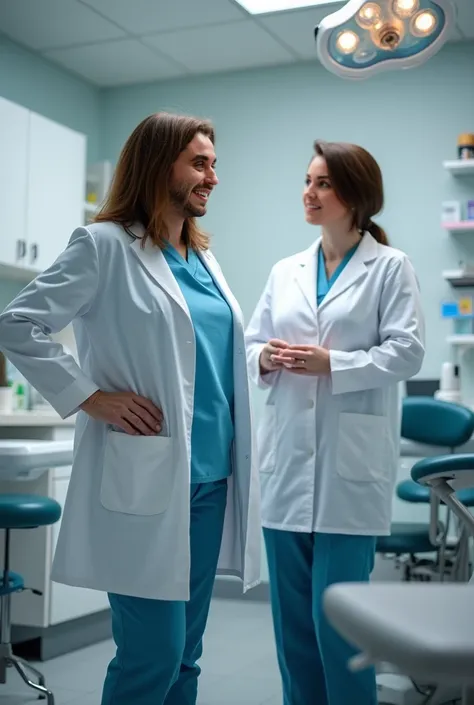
x,y
238,666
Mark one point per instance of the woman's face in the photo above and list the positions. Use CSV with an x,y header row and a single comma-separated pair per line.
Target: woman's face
x,y
321,205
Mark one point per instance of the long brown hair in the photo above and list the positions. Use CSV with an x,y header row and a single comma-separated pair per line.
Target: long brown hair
x,y
140,187
357,180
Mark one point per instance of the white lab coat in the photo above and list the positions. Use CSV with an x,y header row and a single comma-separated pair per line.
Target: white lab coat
x,y
125,527
328,446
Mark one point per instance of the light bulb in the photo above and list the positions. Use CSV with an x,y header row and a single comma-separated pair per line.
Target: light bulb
x,y
368,15
347,42
424,23
405,8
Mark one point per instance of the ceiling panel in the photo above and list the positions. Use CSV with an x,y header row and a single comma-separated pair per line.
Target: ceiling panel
x,y
222,48
116,63
149,16
46,24
296,28
465,13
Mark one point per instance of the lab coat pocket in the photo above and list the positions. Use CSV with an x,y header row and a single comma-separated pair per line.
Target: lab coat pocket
x,y
138,474
266,440
362,448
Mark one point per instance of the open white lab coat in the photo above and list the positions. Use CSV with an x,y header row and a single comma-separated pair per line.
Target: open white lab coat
x,y
328,446
125,527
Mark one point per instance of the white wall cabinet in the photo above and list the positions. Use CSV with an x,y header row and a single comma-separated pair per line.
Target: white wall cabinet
x,y
14,126
42,180
56,179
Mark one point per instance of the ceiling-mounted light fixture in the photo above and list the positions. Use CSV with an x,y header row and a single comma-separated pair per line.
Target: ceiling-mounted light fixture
x,y
368,36
261,7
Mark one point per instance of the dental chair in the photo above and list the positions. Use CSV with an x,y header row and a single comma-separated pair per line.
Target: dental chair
x,y
425,630
426,551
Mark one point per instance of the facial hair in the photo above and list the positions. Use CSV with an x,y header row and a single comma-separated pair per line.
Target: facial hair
x,y
180,199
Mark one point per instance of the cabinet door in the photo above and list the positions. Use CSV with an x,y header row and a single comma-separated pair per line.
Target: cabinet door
x,y
69,602
56,183
14,121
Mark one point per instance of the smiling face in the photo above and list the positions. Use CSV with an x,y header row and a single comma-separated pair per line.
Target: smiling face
x,y
193,177
321,204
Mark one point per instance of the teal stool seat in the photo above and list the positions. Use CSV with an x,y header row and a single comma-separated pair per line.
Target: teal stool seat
x,y
24,511
406,538
411,491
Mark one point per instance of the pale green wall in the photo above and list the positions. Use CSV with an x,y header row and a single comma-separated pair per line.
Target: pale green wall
x,y
266,122
28,79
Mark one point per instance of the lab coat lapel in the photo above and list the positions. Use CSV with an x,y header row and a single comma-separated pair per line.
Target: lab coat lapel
x,y
306,274
354,271
216,273
153,260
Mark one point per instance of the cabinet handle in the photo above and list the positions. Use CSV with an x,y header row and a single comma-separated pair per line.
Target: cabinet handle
x,y
34,252
20,249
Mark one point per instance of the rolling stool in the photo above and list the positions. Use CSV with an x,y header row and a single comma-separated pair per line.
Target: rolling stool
x,y
20,511
445,425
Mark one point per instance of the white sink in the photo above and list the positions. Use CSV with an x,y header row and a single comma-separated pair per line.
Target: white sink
x,y
28,459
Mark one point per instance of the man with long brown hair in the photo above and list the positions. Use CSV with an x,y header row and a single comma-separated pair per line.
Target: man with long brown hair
x,y
163,491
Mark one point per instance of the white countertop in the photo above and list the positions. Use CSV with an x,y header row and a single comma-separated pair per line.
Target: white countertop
x,y
47,417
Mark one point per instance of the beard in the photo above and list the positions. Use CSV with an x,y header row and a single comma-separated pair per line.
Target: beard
x,y
180,198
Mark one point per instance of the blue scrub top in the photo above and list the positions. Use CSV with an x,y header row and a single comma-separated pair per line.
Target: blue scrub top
x,y
324,284
213,425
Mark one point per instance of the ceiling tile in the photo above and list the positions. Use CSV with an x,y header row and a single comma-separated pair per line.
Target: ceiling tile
x,y
46,24
116,63
149,16
221,48
465,17
296,28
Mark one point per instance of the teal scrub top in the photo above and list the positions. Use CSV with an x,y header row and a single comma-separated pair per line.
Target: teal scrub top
x,y
324,284
213,424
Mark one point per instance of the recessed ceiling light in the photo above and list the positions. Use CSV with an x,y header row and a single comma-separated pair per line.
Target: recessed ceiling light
x,y
259,7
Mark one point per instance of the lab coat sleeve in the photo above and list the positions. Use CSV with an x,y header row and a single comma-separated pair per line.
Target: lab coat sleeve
x,y
400,353
63,292
259,331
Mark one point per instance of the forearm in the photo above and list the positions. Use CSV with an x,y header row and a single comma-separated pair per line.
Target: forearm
x,y
389,363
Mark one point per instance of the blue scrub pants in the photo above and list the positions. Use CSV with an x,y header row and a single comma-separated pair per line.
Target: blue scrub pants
x,y
311,655
159,642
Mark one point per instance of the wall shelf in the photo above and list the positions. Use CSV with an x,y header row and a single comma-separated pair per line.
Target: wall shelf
x,y
465,226
90,207
459,278
460,167
466,341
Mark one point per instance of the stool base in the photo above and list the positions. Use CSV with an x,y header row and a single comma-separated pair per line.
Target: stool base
x,y
9,660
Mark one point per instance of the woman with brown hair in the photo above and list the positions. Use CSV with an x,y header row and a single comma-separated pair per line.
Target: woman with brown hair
x,y
337,327
162,491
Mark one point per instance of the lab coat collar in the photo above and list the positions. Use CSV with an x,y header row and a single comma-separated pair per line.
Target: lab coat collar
x,y
153,260
356,268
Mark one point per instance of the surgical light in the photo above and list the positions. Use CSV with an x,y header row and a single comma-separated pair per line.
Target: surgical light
x,y
405,8
364,37
347,42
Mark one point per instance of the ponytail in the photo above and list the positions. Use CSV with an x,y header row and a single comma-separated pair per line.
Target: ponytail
x,y
377,233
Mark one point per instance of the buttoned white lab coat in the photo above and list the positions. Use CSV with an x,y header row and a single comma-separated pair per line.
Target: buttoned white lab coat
x,y
125,527
328,446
